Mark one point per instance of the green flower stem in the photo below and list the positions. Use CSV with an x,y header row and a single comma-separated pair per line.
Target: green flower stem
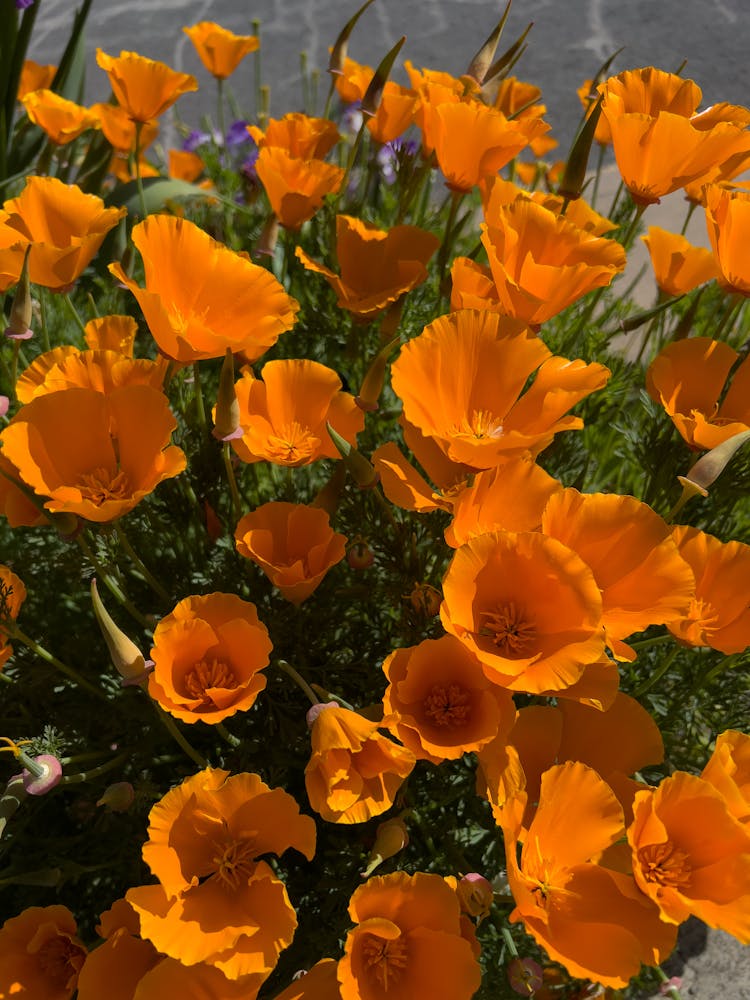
x,y
74,312
657,675
597,175
672,991
450,234
226,452
299,680
223,152
171,726
148,576
17,635
200,408
138,178
112,584
647,643
95,772
327,696
352,157
510,944
43,316
230,738
12,798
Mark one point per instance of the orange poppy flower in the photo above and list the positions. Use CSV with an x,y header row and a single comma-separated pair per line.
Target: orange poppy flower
x,y
353,81
320,983
407,942
728,770
377,266
719,615
143,87
728,169
218,902
395,113
687,379
659,143
111,333
434,87
64,226
629,549
295,187
473,141
40,955
185,166
353,773
541,263
293,544
525,605
208,654
220,50
65,368
19,510
34,77
691,856
284,416
588,917
679,267
119,128
587,96
92,454
460,382
201,297
61,120
439,703
497,193
300,135
12,596
728,222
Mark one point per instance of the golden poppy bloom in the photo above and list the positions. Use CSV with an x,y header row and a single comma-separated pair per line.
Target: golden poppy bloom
x,y
284,416
354,772
295,187
218,901
300,135
208,654
92,454
185,166
541,263
220,50
527,606
62,120
14,504
293,544
728,770
434,87
461,379
34,76
353,81
408,942
440,704
40,954
319,983
64,226
201,297
111,333
377,266
679,267
143,87
687,379
586,916
660,144
497,193
395,113
728,222
119,128
691,856
636,564
719,615
12,596
66,368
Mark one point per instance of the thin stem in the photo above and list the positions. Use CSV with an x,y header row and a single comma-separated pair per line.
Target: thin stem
x,y
43,318
200,408
148,576
671,990
74,312
352,157
597,175
138,178
112,584
231,479
233,741
299,680
12,798
445,246
95,772
223,152
44,654
658,674
691,208
169,724
258,76
647,643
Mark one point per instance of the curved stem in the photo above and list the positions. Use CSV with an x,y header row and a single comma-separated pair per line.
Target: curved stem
x,y
171,726
111,585
16,634
658,674
138,178
148,576
95,772
299,680
233,490
74,312
230,738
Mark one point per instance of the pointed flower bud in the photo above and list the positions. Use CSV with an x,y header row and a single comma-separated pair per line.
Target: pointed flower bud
x,y
482,61
127,659
371,100
341,45
372,383
390,838
118,797
19,322
362,471
227,413
574,175
475,894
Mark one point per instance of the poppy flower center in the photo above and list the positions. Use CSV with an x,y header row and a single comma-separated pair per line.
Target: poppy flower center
x,y
293,445
665,864
60,961
103,484
509,629
235,863
448,706
387,959
208,674
483,424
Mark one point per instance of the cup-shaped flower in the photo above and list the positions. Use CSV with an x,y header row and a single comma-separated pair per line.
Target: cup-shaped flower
x,y
691,855
119,128
352,80
201,297
679,267
728,770
688,378
541,263
295,187
208,654
144,87
220,50
12,596
218,901
111,333
293,544
62,120
643,578
439,702
354,772
719,615
64,226
300,135
586,916
40,954
395,113
527,606
92,454
407,942
284,416
461,379
377,266
728,223
69,368
34,76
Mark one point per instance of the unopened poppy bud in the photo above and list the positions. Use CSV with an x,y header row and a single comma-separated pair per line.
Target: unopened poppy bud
x,y
525,976
482,61
574,176
502,67
266,245
374,92
475,894
341,45
118,797
227,413
363,472
328,496
127,659
425,600
360,555
390,838
372,383
19,322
